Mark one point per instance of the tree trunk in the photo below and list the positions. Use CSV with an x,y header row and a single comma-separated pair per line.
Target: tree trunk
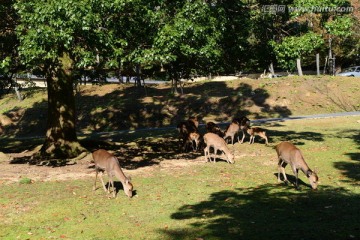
x,y
61,141
138,75
298,65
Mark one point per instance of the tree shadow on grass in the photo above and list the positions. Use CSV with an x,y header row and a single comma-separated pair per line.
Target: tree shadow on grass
x,y
127,108
295,137
271,212
136,150
351,169
292,180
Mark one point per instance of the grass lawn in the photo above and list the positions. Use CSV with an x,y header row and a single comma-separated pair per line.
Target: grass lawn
x,y
198,200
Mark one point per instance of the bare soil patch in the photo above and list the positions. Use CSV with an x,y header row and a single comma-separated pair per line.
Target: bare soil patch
x,y
14,172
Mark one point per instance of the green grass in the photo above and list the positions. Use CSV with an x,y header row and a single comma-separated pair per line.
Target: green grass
x,y
206,200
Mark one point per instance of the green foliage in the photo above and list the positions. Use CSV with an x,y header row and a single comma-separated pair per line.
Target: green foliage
x,y
193,36
294,47
189,38
5,65
8,42
48,30
340,26
332,19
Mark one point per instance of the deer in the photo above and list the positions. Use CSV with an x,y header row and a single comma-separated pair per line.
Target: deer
x,y
214,128
257,131
218,143
289,154
231,131
243,123
190,139
105,161
186,131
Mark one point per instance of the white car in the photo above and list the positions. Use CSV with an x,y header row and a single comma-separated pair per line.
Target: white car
x,y
350,72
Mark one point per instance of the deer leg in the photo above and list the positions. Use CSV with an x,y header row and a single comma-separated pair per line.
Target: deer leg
x,y
206,152
296,172
243,136
279,169
96,174
266,140
113,188
284,174
282,166
111,185
102,181
215,152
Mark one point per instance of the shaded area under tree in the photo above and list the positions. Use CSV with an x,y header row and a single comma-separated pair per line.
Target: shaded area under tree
x,y
266,213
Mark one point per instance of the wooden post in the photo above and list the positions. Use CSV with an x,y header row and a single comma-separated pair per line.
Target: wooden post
x,y
318,64
298,65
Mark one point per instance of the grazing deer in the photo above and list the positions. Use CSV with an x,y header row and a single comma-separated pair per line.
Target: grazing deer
x,y
243,123
193,140
231,131
104,161
257,131
289,154
218,143
185,129
213,128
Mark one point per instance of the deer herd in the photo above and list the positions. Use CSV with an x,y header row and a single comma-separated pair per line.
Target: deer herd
x,y
215,138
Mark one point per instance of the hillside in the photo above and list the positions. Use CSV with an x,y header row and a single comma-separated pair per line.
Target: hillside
x,y
114,107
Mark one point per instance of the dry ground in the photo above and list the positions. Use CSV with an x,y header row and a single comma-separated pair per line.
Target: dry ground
x,y
14,172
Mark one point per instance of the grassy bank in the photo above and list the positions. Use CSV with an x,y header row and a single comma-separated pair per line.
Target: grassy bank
x,y
117,107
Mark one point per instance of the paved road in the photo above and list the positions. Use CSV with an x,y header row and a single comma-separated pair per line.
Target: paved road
x,y
316,116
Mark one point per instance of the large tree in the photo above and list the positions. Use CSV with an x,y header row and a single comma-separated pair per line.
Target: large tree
x,y
61,37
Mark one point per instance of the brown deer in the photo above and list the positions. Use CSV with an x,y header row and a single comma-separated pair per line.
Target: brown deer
x,y
289,154
193,140
231,131
218,143
214,128
257,131
105,161
186,128
243,123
